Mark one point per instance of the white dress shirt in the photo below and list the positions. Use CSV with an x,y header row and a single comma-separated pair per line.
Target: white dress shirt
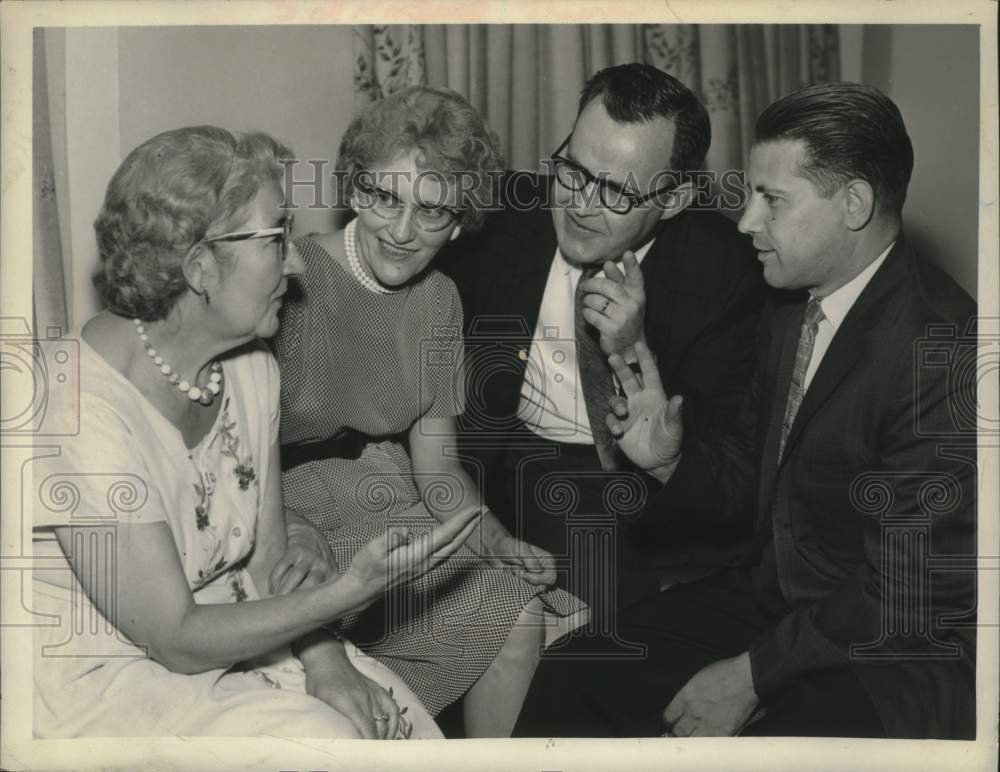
x,y
835,307
552,403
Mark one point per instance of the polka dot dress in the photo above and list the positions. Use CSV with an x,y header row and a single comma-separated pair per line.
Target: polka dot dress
x,y
354,358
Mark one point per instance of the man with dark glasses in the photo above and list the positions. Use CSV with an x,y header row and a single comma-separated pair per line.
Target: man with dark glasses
x,y
608,251
854,612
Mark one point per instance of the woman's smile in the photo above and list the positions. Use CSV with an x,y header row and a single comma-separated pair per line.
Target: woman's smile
x,y
394,251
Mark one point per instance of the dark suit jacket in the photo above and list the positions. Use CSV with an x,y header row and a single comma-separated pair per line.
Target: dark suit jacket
x,y
865,532
704,291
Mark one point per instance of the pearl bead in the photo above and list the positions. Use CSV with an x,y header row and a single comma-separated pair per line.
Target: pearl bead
x,y
350,247
204,396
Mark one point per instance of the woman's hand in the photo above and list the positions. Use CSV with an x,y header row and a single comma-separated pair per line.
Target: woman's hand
x,y
370,708
307,561
331,677
397,557
533,564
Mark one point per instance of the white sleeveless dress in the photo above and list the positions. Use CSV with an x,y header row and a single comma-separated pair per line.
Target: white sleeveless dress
x,y
128,464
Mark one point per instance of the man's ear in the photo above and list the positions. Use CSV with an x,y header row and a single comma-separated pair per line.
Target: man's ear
x,y
678,199
859,204
201,271
455,232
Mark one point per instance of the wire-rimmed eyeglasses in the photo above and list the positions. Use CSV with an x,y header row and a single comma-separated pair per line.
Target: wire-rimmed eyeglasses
x,y
388,206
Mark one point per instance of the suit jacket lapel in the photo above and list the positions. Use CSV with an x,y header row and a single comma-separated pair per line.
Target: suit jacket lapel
x,y
674,283
781,366
538,251
521,281
848,344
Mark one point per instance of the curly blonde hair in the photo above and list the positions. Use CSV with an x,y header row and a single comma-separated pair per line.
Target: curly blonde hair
x,y
449,135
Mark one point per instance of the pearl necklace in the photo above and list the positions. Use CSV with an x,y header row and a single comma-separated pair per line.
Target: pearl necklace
x,y
351,248
206,396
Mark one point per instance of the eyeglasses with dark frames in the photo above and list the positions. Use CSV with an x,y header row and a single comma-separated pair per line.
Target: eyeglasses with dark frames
x,y
574,177
388,206
284,230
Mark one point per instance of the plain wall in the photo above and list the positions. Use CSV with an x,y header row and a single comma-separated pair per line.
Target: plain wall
x,y
932,73
125,85
292,82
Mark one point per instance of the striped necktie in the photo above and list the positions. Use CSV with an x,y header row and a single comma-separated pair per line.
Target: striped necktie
x,y
595,379
803,355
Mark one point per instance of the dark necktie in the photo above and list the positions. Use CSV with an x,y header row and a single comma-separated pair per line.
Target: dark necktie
x,y
595,379
803,355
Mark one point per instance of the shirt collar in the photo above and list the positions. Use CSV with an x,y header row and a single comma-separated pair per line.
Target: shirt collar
x,y
640,255
836,305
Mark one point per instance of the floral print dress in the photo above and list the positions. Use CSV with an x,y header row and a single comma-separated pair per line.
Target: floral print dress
x,y
129,465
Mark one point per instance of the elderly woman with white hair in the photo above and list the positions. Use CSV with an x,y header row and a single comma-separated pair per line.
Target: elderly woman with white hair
x,y
162,519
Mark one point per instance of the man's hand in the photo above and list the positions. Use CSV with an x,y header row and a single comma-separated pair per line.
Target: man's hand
x,y
308,560
616,305
645,423
716,702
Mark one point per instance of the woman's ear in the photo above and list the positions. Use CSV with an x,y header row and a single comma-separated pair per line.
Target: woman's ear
x,y
201,271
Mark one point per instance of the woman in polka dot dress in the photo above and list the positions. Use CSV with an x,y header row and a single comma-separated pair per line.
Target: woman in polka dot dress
x,y
370,353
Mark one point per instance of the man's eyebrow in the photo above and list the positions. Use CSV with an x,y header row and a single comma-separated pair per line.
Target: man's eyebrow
x,y
762,187
605,180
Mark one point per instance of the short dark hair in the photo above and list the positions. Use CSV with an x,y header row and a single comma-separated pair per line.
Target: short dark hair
x,y
635,93
851,131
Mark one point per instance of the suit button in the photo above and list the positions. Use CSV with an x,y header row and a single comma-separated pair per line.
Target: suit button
x,y
786,526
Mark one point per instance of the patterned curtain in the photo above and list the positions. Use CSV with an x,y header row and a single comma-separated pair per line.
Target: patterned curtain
x,y
525,78
739,69
386,59
48,291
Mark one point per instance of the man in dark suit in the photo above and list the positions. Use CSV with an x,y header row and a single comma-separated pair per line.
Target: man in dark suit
x,y
605,253
855,612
